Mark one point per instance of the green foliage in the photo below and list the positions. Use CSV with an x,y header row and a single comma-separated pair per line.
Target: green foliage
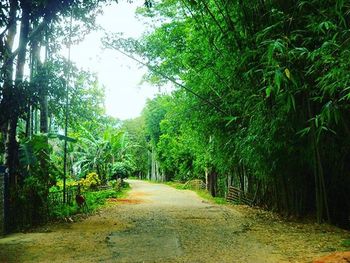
x,y
93,199
39,173
154,113
346,243
108,155
206,195
268,109
36,85
120,170
63,211
91,181
118,184
98,198
278,71
138,154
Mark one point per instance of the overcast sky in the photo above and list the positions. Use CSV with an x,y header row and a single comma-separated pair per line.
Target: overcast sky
x,y
121,76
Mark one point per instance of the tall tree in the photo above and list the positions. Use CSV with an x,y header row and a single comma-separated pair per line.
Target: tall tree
x,y
265,83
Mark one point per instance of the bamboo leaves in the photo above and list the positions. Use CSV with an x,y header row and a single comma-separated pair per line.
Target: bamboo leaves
x,y
280,70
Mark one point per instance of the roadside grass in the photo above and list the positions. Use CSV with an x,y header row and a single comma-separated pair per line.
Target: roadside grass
x,y
94,200
97,199
346,243
200,192
133,178
206,195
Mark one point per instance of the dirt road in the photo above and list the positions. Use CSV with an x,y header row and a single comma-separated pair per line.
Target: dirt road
x,y
156,223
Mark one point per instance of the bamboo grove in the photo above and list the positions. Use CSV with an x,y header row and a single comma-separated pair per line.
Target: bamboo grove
x,y
277,73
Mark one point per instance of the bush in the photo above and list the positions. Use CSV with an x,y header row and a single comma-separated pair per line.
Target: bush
x,y
59,185
92,181
98,198
93,199
116,184
63,210
121,170
346,243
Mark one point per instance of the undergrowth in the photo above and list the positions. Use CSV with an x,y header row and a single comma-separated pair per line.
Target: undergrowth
x,y
346,243
93,199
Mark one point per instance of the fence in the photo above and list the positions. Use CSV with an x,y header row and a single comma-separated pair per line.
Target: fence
x,y
238,196
28,208
56,198
195,184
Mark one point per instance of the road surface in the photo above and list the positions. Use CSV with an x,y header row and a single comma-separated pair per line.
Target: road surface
x,y
156,223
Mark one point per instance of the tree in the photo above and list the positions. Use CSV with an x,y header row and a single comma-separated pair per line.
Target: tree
x,y
26,98
263,88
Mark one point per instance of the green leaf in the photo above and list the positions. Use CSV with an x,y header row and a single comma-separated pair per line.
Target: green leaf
x,y
61,137
27,156
230,119
278,79
304,131
268,91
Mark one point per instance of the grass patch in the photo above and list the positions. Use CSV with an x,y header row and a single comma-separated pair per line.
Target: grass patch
x,y
62,211
134,178
207,196
346,243
98,198
178,185
93,199
202,193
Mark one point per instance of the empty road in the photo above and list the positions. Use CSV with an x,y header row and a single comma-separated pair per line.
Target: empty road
x,y
156,223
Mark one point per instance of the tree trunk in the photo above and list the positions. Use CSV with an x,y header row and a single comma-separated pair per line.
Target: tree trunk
x,y
43,98
241,175
8,67
11,151
153,165
29,117
35,120
206,178
29,122
212,182
11,160
149,165
44,127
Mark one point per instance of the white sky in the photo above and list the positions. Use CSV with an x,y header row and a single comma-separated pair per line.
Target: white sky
x,y
125,97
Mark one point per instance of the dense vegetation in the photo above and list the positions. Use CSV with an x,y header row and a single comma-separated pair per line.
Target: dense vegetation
x,y
54,130
260,102
262,99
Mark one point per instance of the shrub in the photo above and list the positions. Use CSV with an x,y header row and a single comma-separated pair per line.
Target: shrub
x,y
121,170
92,181
116,184
62,211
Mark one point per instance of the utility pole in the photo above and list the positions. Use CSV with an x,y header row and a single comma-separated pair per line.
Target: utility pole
x,y
67,113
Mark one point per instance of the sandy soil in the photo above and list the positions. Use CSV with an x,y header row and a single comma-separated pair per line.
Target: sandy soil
x,y
157,223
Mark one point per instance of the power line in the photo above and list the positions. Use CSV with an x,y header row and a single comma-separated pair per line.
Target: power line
x,y
171,79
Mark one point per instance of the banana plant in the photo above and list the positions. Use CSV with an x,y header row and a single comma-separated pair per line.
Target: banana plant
x,y
94,153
